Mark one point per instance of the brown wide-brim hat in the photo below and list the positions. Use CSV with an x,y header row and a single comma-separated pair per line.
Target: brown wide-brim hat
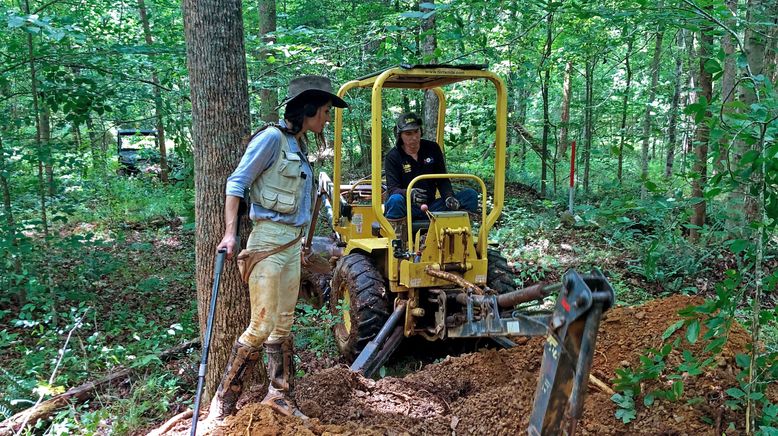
x,y
305,86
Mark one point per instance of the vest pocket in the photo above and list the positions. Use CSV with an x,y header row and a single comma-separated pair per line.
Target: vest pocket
x,y
279,202
291,166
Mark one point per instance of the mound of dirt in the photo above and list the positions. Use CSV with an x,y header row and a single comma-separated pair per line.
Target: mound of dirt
x,y
491,392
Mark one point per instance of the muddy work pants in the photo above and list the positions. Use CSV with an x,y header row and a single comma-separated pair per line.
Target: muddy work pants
x,y
273,284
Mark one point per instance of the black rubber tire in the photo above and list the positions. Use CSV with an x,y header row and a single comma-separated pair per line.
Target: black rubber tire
x,y
498,275
368,306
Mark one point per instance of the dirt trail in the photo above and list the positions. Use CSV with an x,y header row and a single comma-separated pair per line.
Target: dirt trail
x,y
491,392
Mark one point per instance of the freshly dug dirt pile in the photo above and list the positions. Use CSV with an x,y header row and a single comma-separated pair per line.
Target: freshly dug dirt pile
x,y
491,392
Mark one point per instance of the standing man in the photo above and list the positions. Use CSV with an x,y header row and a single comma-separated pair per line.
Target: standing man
x,y
412,157
279,180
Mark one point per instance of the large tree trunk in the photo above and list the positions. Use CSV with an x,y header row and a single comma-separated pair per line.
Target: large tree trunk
x,y
701,137
625,108
565,117
428,46
158,109
647,115
220,123
268,94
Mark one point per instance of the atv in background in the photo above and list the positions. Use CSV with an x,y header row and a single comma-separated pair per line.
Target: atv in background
x,y
136,151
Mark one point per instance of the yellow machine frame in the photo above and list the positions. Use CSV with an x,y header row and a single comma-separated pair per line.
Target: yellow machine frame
x,y
422,78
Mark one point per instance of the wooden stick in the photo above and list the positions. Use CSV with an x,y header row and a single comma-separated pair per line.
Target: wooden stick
x,y
601,385
164,428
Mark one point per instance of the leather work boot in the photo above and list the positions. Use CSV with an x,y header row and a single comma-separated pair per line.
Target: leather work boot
x,y
243,360
280,372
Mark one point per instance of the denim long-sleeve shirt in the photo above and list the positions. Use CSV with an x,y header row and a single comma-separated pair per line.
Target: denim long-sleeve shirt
x,y
261,153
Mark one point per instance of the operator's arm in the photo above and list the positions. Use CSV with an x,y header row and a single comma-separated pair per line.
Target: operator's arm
x,y
393,170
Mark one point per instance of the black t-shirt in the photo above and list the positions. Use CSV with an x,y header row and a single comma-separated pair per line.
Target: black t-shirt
x,y
401,169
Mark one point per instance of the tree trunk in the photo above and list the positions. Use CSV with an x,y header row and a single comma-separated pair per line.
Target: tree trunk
x,y
647,115
428,46
5,186
521,117
48,158
546,121
701,137
771,58
755,45
158,109
624,109
98,157
36,114
587,149
216,61
727,86
268,94
565,117
672,128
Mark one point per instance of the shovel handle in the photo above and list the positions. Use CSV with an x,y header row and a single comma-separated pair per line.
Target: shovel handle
x,y
221,255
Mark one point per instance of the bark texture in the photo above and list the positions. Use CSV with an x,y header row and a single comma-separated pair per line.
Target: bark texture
x,y
220,124
701,136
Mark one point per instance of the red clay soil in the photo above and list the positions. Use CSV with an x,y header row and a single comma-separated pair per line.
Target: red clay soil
x,y
491,392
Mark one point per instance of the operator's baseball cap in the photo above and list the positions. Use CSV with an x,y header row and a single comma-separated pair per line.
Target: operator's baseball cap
x,y
408,121
303,86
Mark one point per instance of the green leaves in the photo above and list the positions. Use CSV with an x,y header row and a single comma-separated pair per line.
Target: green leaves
x,y
672,329
738,245
626,406
693,331
698,109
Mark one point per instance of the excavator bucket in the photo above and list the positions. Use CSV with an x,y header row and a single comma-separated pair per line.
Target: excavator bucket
x,y
568,353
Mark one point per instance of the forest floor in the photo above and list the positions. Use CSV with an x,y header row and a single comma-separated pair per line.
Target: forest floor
x,y
491,391
446,390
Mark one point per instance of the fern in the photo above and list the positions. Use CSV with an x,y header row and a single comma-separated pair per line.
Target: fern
x,y
5,412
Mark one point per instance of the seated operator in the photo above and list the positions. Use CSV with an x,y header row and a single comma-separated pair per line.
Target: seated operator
x,y
413,157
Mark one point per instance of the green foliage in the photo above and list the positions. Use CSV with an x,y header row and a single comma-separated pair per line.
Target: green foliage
x,y
626,406
313,329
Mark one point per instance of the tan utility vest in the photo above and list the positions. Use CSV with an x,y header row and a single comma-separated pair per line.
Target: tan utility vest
x,y
278,187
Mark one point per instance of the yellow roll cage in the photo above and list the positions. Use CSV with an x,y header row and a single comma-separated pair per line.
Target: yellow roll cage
x,y
423,78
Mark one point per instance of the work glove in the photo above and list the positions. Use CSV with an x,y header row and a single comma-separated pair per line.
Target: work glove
x,y
452,203
418,196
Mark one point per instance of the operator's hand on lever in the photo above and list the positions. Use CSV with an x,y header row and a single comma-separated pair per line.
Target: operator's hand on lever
x,y
418,196
452,203
229,243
